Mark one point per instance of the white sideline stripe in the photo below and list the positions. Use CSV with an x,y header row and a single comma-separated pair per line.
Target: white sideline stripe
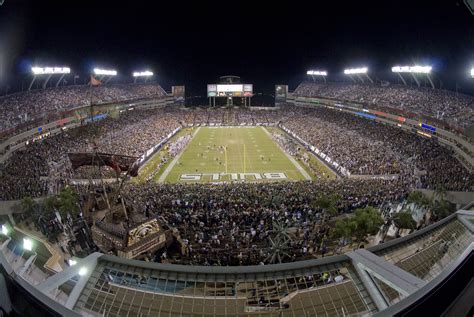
x,y
176,158
292,160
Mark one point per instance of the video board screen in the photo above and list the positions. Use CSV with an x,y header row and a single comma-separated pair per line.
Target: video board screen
x,y
281,92
248,90
178,92
230,90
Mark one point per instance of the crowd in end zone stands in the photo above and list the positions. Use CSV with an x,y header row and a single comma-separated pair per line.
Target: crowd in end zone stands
x,y
453,108
26,106
230,224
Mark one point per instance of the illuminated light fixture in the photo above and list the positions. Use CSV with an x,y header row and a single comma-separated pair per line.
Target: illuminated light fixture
x,y
143,74
412,69
472,72
106,72
351,71
27,244
72,262
82,271
50,70
316,73
4,230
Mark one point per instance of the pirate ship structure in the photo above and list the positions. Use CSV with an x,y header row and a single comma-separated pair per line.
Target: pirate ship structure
x,y
115,227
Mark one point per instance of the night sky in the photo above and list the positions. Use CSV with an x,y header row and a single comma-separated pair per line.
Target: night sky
x,y
266,44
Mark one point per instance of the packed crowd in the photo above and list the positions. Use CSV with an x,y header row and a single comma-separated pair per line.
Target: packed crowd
x,y
302,155
231,224
333,134
133,133
353,142
288,144
26,106
172,149
453,108
177,146
359,145
222,116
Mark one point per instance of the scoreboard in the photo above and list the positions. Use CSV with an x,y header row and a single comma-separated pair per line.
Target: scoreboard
x,y
229,90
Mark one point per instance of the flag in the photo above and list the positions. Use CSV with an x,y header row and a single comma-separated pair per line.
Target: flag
x,y
95,82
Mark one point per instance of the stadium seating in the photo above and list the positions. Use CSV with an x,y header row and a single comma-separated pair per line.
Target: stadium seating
x,y
445,106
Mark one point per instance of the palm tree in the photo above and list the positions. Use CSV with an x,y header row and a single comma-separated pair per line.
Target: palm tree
x,y
404,220
327,204
281,230
417,198
344,228
440,192
278,250
67,202
50,204
368,221
28,206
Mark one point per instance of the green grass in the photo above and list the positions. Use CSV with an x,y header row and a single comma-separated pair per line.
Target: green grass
x,y
205,154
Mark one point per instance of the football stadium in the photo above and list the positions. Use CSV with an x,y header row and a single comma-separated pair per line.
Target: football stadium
x,y
199,171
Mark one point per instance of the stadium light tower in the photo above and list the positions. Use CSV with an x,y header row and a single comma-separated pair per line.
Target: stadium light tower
x,y
317,74
358,72
146,74
416,73
49,72
103,73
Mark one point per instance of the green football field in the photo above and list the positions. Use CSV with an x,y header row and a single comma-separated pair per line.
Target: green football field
x,y
222,154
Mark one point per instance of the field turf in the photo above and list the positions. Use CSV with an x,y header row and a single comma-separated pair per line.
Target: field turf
x,y
226,153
